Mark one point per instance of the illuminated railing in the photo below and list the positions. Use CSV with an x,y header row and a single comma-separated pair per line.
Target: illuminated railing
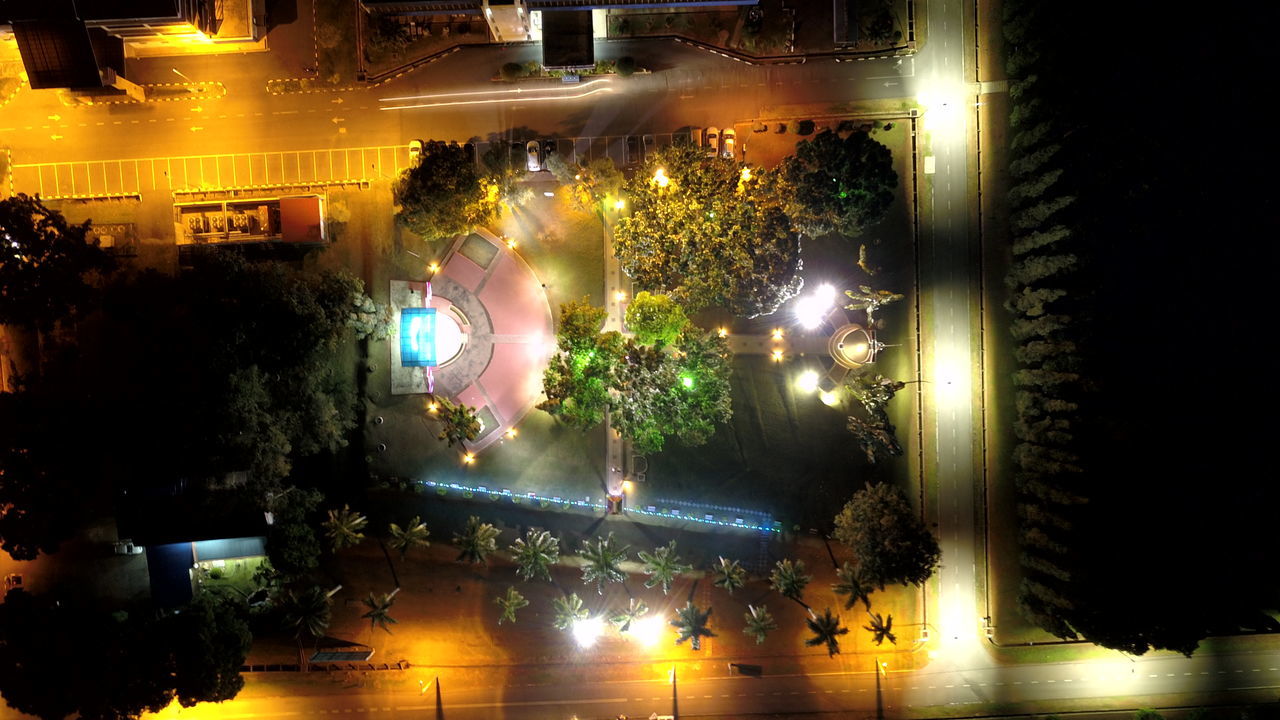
x,y
766,524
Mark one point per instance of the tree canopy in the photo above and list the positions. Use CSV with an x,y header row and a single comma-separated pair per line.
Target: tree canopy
x,y
444,194
841,184
45,261
708,235
117,665
889,539
650,392
655,319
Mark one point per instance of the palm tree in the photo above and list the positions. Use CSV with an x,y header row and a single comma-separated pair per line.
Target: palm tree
x,y
602,558
881,628
729,575
759,622
477,542
535,554
379,610
691,621
343,527
510,603
790,579
413,535
853,585
826,631
663,565
568,610
308,612
459,423
632,612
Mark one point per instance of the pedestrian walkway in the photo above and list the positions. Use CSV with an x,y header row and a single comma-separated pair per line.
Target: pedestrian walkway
x,y
202,173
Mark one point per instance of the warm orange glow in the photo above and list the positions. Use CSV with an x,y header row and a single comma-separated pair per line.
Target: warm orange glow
x,y
469,458
777,333
511,432
777,356
723,332
511,243
660,178
433,268
432,407
619,296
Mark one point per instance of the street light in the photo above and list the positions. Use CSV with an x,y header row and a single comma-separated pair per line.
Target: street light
x,y
179,74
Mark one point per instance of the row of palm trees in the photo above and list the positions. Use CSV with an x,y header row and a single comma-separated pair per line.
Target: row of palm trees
x,y
536,552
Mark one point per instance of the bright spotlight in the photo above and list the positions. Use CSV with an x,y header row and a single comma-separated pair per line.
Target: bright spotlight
x,y
648,631
812,309
660,178
586,632
808,381
619,204
828,398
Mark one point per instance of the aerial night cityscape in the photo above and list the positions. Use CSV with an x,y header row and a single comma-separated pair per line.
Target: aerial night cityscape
x,y
637,359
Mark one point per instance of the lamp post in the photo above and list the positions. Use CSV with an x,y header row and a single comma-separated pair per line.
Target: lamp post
x,y
179,74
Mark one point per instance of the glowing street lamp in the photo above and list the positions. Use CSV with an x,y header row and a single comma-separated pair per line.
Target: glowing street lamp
x,y
811,310
619,204
469,458
619,296
776,334
648,631
587,631
687,381
776,355
433,268
807,382
828,398
723,332
660,178
511,433
511,243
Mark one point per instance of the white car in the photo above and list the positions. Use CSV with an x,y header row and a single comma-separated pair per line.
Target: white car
x,y
713,141
726,143
534,150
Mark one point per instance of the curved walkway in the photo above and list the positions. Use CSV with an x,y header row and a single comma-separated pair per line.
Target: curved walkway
x,y
510,335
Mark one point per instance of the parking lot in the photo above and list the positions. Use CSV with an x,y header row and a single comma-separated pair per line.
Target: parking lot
x,y
191,173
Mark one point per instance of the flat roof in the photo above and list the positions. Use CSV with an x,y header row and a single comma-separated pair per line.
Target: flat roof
x,y
567,39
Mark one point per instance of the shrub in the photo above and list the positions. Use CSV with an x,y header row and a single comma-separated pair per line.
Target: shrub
x,y
760,127
782,127
626,65
215,574
511,71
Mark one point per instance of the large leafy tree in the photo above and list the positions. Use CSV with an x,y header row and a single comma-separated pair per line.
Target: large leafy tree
x,y
681,392
124,672
599,181
477,541
44,264
708,237
690,623
210,641
602,558
655,319
239,364
890,540
841,184
535,553
789,579
293,550
663,566
43,498
578,379
445,194
826,631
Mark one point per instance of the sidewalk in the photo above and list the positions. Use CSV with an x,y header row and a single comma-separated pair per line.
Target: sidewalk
x,y
447,619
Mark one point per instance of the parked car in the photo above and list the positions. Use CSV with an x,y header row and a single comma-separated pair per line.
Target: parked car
x,y
415,152
650,144
713,141
633,150
727,142
534,151
695,136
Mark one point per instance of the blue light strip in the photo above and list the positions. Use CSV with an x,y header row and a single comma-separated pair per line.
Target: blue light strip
x,y
765,526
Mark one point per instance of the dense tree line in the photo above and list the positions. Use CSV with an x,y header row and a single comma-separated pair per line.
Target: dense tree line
x,y
63,657
1105,216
